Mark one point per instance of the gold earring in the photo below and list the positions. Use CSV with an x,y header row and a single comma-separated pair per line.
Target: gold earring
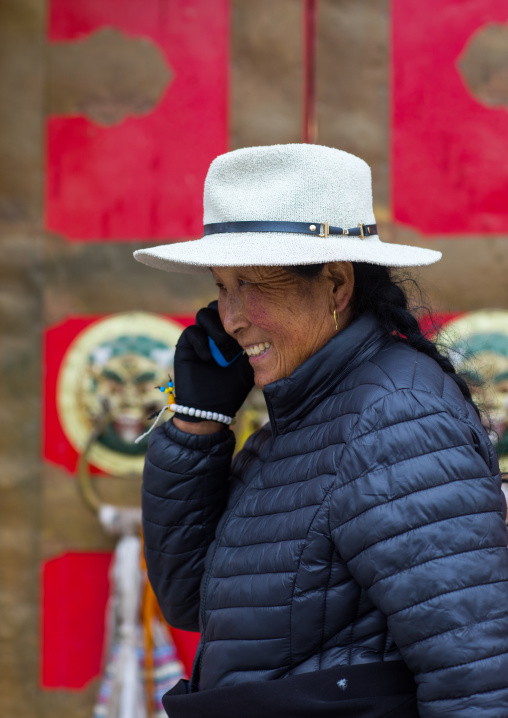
x,y
336,319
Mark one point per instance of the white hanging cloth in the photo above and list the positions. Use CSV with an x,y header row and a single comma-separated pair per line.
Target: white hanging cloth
x,y
123,690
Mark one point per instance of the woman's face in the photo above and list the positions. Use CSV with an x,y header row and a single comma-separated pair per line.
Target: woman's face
x,y
281,319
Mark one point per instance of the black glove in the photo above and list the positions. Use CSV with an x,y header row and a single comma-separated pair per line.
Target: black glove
x,y
211,371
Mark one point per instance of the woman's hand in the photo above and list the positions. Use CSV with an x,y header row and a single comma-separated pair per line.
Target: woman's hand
x,y
200,382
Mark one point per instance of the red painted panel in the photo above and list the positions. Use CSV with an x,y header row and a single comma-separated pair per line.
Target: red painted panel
x,y
75,588
57,340
449,151
186,643
142,179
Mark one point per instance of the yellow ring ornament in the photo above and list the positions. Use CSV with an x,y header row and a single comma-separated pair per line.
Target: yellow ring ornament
x,y
74,386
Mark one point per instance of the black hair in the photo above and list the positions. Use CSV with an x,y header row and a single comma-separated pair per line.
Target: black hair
x,y
380,293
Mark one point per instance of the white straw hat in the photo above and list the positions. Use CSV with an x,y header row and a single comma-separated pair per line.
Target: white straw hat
x,y
286,205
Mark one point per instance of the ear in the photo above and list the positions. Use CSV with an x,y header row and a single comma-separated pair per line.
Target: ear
x,y
342,278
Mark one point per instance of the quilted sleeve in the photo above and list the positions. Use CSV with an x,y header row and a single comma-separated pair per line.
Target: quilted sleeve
x,y
183,496
419,518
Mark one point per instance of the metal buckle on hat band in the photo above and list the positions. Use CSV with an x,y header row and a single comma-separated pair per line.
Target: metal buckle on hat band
x,y
362,231
324,229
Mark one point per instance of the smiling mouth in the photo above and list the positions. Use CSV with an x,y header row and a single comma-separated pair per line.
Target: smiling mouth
x,y
257,350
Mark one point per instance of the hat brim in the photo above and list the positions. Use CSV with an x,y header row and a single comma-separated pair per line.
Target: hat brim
x,y
276,249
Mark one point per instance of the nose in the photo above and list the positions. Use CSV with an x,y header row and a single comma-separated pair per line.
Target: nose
x,y
232,314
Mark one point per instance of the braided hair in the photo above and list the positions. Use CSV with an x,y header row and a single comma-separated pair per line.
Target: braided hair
x,y
377,291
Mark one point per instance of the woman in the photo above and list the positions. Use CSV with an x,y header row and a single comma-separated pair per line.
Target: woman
x,y
357,540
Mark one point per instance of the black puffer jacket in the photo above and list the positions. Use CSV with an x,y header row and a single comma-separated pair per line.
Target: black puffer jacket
x,y
365,525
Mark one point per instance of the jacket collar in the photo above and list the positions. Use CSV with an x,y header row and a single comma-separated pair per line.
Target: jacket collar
x,y
290,399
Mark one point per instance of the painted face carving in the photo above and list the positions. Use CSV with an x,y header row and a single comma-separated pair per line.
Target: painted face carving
x,y
279,318
122,373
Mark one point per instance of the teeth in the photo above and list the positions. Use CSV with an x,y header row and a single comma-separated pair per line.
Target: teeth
x,y
257,349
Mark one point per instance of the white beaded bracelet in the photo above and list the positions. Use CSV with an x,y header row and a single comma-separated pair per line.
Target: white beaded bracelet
x,y
201,413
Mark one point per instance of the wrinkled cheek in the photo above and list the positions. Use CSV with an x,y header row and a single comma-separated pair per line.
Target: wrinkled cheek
x,y
257,313
263,316
287,359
